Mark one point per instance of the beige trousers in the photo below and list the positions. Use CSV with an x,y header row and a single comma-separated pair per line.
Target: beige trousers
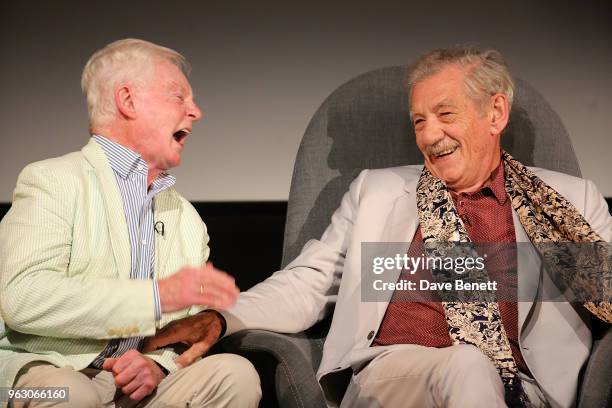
x,y
221,380
418,376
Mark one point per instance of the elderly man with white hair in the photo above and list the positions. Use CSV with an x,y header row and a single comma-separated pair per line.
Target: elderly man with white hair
x,y
440,351
98,251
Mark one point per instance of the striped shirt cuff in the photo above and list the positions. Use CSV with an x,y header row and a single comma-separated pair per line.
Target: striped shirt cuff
x,y
158,312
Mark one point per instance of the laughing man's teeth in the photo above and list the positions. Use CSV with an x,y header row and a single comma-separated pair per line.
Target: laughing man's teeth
x,y
445,152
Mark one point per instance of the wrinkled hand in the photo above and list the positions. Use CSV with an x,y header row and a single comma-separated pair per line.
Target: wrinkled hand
x,y
200,332
136,374
189,286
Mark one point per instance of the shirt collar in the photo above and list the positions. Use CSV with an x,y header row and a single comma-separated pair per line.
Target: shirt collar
x,y
495,185
121,159
161,182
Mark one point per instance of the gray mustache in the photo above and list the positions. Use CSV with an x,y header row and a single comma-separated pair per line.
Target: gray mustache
x,y
441,146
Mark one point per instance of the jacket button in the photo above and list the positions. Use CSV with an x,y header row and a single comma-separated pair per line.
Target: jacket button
x,y
370,335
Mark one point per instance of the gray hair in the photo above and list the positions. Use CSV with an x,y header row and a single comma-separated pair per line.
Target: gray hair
x,y
486,72
129,61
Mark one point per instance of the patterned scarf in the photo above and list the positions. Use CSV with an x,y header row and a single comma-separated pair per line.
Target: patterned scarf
x,y
547,217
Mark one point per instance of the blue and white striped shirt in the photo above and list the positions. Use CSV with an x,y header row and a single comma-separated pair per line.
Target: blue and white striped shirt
x,y
131,174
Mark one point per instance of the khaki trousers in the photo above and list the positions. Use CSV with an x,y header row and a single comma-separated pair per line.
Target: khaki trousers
x,y
418,376
221,380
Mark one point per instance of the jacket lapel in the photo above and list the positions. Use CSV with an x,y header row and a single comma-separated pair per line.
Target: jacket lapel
x,y
113,207
528,271
401,225
168,210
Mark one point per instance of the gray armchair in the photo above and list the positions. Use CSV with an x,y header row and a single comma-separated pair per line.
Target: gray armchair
x,y
365,124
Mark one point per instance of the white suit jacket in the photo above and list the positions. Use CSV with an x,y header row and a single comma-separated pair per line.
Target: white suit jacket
x,y
380,206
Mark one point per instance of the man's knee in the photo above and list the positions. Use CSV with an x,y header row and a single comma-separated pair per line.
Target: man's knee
x,y
467,358
81,391
238,371
470,379
236,379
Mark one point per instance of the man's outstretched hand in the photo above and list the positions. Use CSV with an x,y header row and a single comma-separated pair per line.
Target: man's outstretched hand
x,y
205,285
199,332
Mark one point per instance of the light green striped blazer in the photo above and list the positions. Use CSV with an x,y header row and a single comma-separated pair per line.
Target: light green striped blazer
x,y
65,287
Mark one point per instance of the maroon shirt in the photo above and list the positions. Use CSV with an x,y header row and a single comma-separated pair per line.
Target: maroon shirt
x,y
487,216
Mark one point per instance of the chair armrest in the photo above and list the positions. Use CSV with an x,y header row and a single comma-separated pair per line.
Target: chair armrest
x,y
286,364
596,388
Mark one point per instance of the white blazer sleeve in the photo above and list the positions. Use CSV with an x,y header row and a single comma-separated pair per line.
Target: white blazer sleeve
x,y
295,298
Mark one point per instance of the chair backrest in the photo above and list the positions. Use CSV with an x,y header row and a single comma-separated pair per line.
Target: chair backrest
x,y
365,124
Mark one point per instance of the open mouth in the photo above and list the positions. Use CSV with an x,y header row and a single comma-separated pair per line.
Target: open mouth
x,y
180,135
